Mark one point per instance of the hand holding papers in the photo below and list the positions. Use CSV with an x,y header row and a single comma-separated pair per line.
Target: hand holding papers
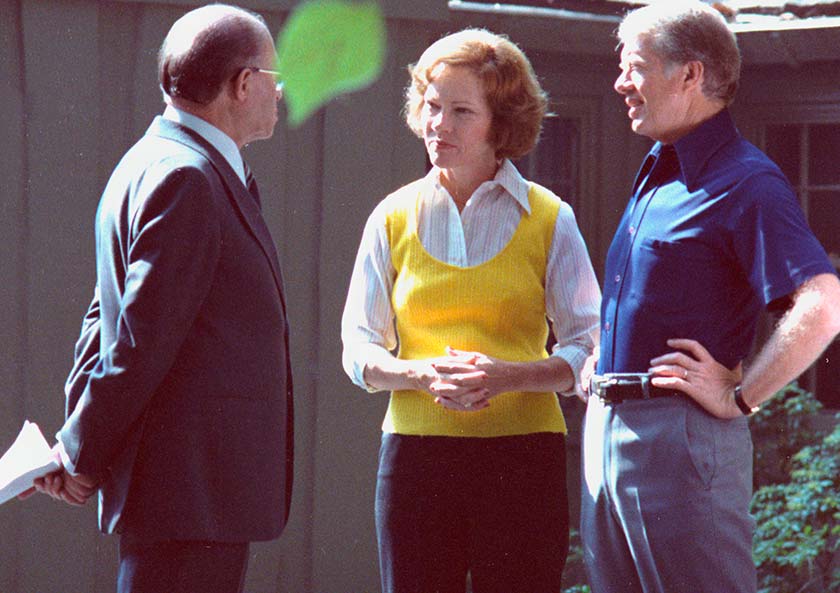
x,y
29,457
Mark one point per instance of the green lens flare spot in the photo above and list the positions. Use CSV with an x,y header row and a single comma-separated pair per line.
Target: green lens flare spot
x,y
327,48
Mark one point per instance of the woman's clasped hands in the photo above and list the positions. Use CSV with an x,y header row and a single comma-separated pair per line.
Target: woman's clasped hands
x,y
466,381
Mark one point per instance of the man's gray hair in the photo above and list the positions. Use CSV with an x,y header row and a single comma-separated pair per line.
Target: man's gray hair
x,y
685,31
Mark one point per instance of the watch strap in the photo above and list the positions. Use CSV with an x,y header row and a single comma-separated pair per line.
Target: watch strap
x,y
742,405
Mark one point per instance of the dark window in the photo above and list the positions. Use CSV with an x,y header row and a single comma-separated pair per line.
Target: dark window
x,y
554,163
824,155
809,154
783,146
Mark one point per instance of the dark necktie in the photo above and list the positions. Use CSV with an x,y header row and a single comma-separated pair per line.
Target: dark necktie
x,y
251,184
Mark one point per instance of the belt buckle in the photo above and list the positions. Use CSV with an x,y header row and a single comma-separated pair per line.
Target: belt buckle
x,y
600,385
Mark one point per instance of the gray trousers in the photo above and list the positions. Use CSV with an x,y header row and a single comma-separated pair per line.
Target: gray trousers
x,y
665,499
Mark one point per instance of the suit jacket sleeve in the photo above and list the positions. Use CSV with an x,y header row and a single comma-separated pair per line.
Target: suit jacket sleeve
x,y
85,356
162,251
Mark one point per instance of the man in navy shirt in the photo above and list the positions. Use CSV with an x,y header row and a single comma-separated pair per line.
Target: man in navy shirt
x,y
712,235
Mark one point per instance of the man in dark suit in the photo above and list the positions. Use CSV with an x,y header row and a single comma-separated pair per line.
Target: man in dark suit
x,y
179,405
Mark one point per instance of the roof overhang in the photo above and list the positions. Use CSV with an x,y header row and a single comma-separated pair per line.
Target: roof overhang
x,y
763,39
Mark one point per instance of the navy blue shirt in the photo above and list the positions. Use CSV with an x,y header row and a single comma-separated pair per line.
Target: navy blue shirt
x,y
712,234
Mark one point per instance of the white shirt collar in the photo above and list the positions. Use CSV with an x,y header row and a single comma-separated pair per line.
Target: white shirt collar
x,y
220,141
507,178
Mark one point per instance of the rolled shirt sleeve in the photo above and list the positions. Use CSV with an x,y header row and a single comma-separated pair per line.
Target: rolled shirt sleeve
x,y
572,296
367,325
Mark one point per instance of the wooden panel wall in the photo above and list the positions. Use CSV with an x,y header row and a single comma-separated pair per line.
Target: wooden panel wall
x,y
78,87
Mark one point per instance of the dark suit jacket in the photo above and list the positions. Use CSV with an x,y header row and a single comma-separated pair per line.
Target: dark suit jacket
x,y
180,398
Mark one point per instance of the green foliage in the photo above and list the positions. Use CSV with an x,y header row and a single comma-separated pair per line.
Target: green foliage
x,y
780,429
797,506
574,572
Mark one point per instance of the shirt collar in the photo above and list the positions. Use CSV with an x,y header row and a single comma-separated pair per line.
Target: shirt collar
x,y
220,141
515,185
507,178
696,148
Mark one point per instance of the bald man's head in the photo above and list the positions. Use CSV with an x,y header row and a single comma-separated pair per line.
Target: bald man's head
x,y
207,47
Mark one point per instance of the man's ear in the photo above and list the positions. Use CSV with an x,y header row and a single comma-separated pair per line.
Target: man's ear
x,y
693,73
241,84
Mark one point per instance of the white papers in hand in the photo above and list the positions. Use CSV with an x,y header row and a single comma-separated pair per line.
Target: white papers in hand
x,y
28,458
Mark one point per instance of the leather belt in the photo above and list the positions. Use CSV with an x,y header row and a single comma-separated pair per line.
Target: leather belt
x,y
613,388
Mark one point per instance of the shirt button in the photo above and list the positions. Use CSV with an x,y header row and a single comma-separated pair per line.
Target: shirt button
x,y
632,230
607,326
618,277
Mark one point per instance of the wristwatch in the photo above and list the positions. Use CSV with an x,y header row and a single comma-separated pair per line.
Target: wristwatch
x,y
742,405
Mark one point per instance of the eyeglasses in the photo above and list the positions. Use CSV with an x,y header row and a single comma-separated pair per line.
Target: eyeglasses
x,y
274,73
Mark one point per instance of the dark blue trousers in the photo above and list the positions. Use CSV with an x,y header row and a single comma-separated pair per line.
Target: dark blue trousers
x,y
495,508
181,566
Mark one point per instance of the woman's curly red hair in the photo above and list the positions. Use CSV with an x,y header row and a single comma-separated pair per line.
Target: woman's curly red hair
x,y
517,101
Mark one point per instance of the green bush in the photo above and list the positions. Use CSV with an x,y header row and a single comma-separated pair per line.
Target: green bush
x,y
575,572
781,429
797,502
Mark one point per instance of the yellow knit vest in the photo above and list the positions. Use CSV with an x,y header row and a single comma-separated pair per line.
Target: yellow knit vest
x,y
497,308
